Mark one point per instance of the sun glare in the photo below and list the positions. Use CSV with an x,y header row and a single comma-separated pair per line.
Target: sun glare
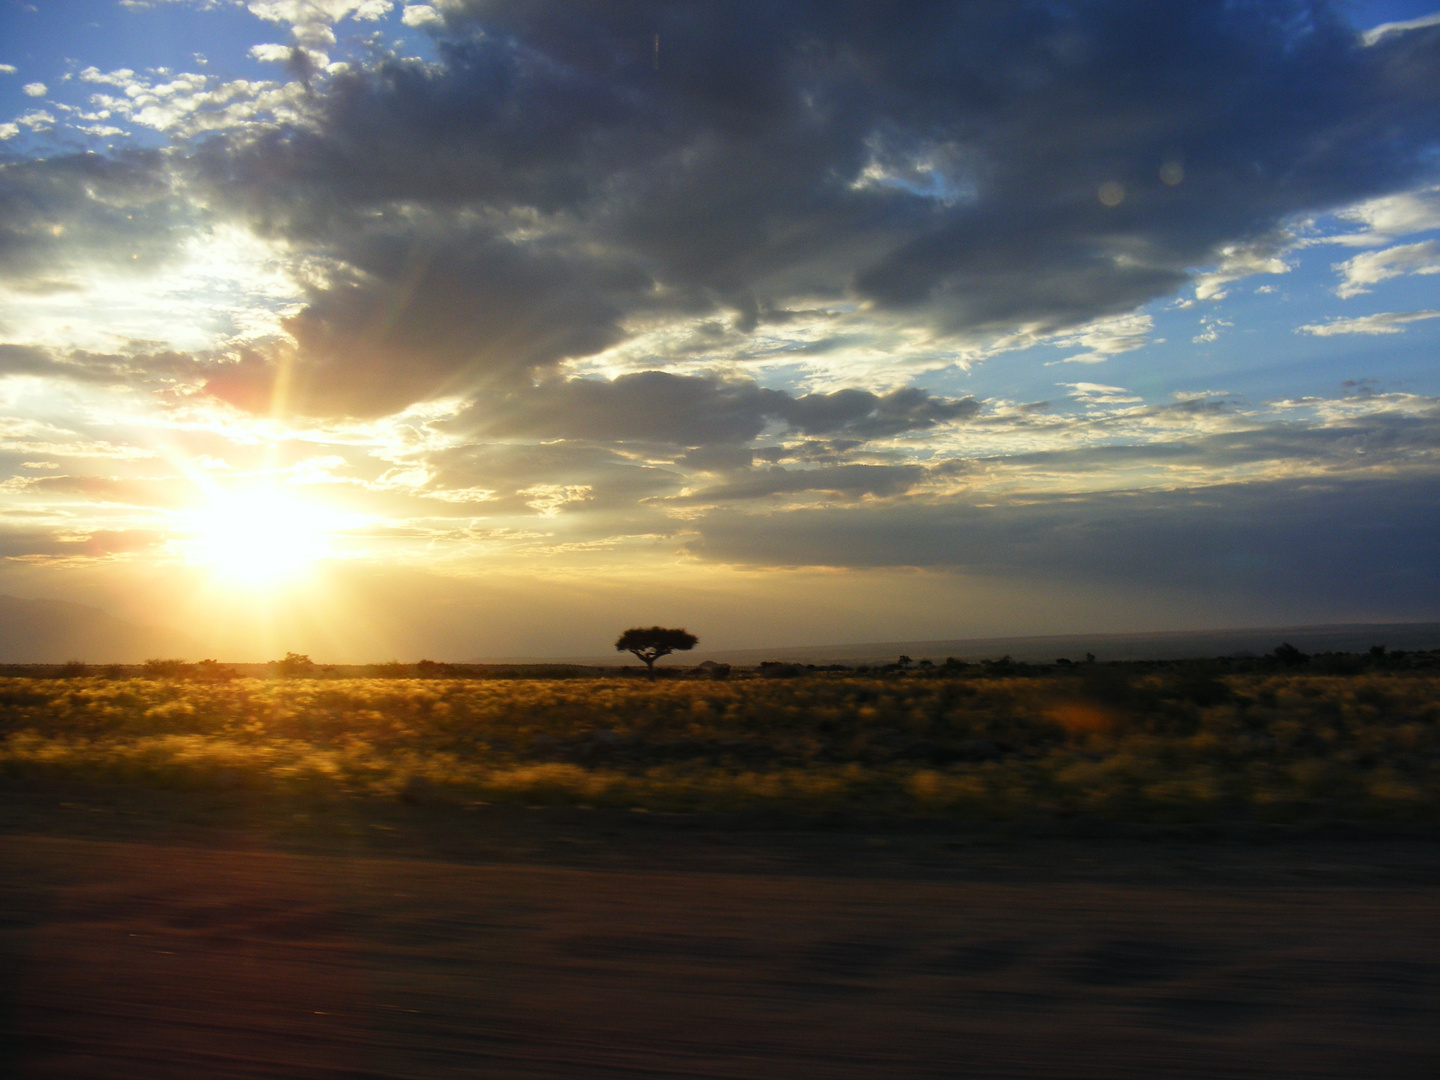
x,y
261,536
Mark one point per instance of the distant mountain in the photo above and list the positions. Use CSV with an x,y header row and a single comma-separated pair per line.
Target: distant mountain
x,y
54,631
1168,645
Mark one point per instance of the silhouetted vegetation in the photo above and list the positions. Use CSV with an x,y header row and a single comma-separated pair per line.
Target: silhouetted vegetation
x,y
1289,656
778,669
649,644
294,666
164,669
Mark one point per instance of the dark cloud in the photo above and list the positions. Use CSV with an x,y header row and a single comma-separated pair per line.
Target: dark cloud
x,y
648,406
938,159
846,481
863,414
90,544
81,209
718,458
1362,541
696,411
1402,434
518,475
100,490
27,360
406,321
252,380
409,317
78,365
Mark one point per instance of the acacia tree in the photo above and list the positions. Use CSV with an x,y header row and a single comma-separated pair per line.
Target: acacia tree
x,y
649,644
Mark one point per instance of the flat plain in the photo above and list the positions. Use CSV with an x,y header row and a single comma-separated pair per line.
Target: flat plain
x,y
171,916
1132,742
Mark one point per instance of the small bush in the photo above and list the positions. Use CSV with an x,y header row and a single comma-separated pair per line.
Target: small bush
x,y
164,669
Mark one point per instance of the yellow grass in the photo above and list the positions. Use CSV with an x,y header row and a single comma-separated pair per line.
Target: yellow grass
x,y
1280,746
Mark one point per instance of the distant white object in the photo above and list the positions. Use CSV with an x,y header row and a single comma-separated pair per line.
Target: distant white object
x,y
1384,30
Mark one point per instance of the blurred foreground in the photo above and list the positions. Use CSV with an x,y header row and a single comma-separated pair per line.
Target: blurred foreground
x,y
154,934
1086,871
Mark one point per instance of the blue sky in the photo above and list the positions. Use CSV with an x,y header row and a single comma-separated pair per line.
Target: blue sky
x,y
927,320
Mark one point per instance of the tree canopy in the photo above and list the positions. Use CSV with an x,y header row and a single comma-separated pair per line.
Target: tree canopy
x,y
650,643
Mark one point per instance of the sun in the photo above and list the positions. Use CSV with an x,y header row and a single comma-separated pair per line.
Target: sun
x,y
261,535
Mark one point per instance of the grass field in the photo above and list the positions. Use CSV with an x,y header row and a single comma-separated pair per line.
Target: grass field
x,y
1168,743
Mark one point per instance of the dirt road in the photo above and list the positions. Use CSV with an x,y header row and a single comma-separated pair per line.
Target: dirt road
x,y
603,952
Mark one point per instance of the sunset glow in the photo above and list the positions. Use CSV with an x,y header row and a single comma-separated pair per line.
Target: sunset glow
x,y
786,323
260,537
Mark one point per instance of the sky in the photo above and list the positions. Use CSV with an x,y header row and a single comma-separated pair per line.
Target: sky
x,y
476,328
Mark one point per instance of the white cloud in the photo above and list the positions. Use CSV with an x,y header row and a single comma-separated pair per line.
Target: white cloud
x,y
8,131
1239,261
271,54
547,500
310,12
1099,394
314,37
8,69
1378,33
1199,395
420,15
36,119
1388,322
35,89
1106,338
188,103
1394,215
310,24
222,284
1210,331
121,77
1373,267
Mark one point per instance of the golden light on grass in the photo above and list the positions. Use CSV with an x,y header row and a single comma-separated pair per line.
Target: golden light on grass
x,y
1081,718
1280,748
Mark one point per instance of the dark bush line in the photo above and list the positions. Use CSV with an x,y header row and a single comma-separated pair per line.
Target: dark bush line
x,y
1107,677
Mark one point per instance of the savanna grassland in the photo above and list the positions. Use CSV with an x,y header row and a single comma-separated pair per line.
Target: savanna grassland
x,y
1162,743
1089,870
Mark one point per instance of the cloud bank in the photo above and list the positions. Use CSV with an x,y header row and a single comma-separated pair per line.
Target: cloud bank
x,y
564,276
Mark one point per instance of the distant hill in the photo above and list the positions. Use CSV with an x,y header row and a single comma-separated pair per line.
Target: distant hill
x,y
54,631
1169,645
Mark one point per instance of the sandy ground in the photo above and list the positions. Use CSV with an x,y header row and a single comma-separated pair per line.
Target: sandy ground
x,y
224,936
